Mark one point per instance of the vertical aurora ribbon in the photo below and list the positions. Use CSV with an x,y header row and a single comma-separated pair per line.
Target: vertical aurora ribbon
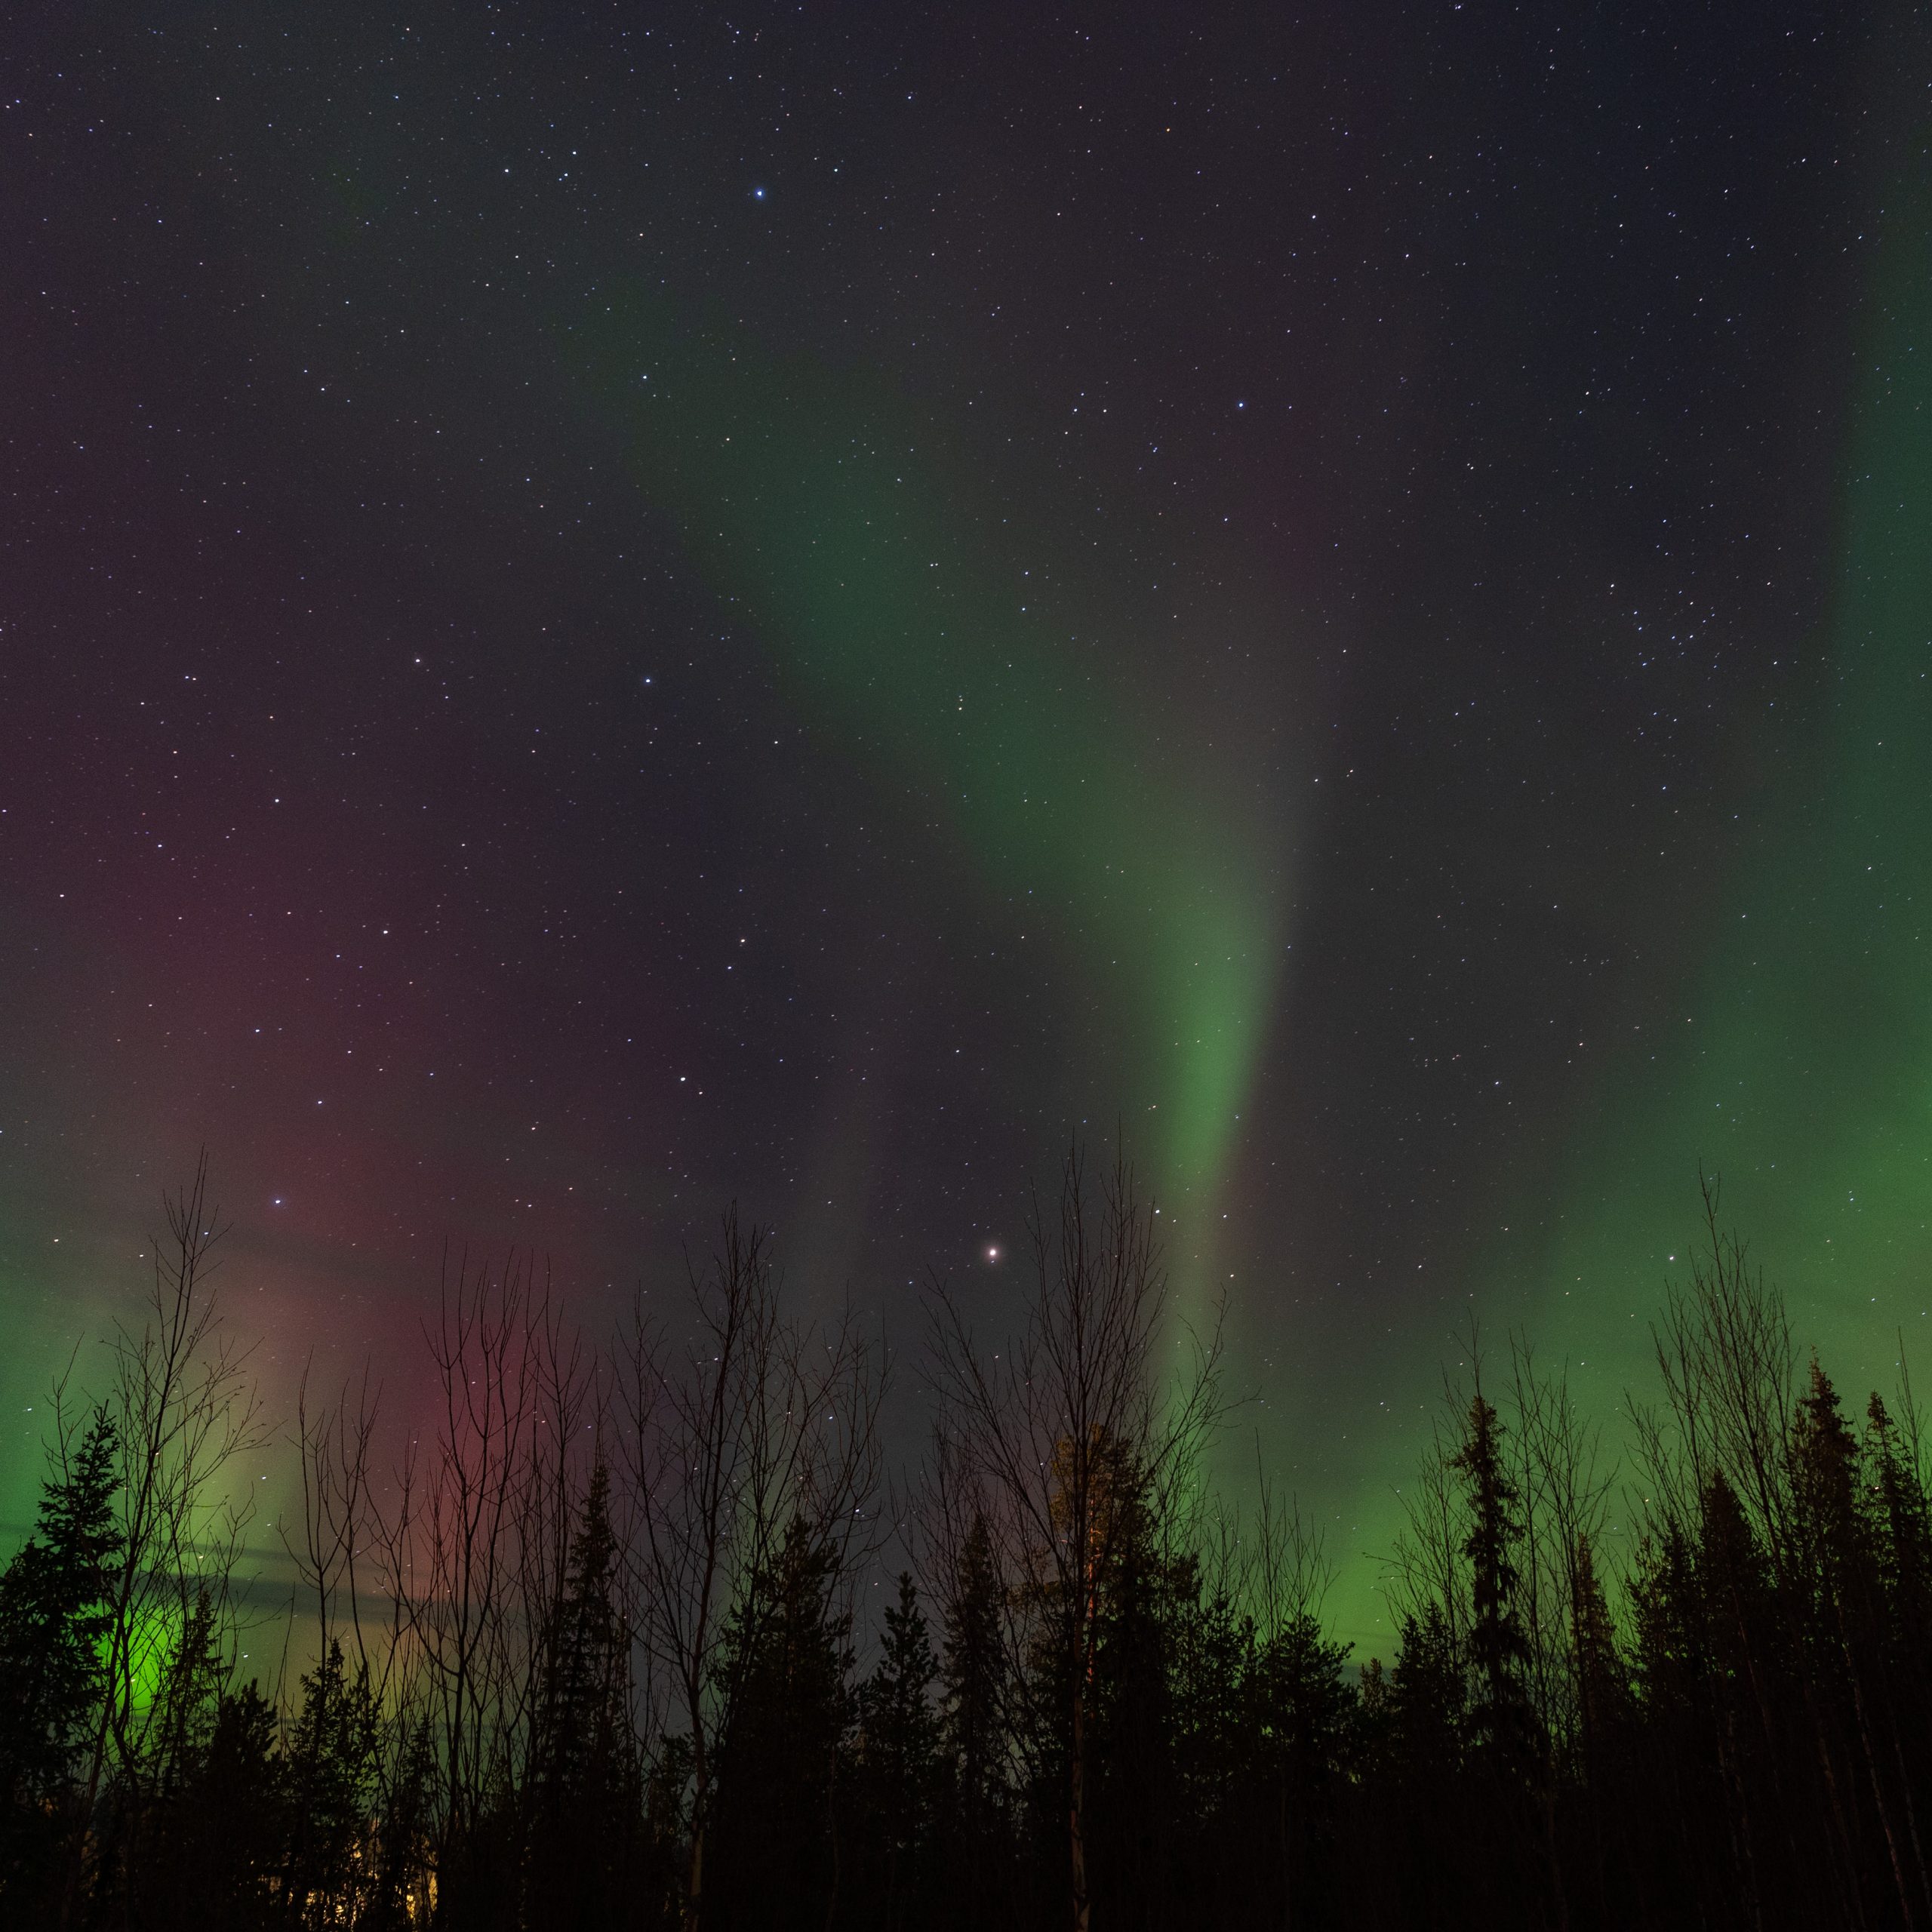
x,y
890,598
1801,1066
1793,1060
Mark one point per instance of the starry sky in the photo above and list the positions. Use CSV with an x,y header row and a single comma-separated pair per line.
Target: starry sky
x,y
605,609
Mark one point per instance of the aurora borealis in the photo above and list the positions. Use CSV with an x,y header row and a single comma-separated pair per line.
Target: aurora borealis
x,y
606,609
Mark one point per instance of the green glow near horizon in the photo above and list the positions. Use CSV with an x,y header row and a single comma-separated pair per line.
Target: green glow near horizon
x,y
1799,1069
1805,1073
904,621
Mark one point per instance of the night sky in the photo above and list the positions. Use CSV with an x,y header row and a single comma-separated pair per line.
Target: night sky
x,y
604,609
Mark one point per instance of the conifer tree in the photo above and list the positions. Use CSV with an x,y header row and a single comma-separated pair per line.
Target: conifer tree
x,y
1060,1431
151,1851
1603,1683
898,1743
1825,1479
1503,1727
209,1853
1498,1650
189,1702
583,1713
241,1818
53,1617
778,1859
1146,1599
1428,1693
1901,1524
405,1857
1306,1720
587,1792
973,1730
1721,1610
1848,1589
1427,1688
331,1762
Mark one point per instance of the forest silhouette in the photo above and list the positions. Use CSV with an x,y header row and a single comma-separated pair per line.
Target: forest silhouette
x,y
582,1651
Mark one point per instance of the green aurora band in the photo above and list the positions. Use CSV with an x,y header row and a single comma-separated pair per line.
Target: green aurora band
x,y
1804,1072
1799,1069
810,501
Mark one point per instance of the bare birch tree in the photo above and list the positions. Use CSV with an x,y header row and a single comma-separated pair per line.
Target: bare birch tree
x,y
1064,1432
739,1421
184,1410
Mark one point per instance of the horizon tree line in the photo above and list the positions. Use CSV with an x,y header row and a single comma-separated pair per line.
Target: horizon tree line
x,y
587,1653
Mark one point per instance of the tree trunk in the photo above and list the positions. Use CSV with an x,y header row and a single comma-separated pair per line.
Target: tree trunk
x,y
694,1882
1076,1813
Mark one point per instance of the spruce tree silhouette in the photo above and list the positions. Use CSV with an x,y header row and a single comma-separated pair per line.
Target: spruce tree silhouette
x,y
586,1791
1144,1602
1500,1714
145,1850
896,1790
777,1857
973,1676
54,1618
1901,1524
1306,1717
1508,1755
1427,1719
207,1851
1829,1486
330,1773
1724,1725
